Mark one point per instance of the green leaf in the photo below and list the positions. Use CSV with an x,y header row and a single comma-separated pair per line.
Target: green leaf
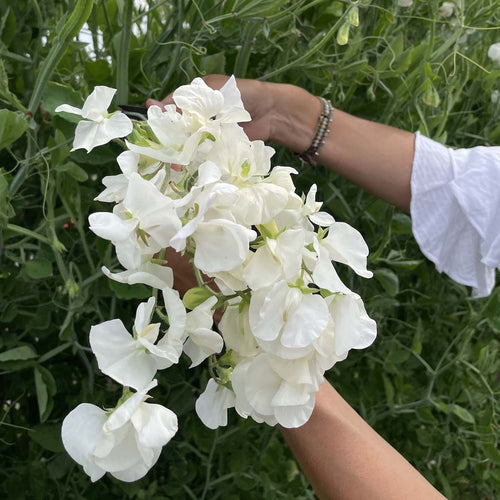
x,y
389,390
5,93
213,63
54,352
126,292
492,311
12,126
56,94
38,268
8,26
388,279
45,390
74,171
196,296
18,353
48,436
6,210
462,413
491,452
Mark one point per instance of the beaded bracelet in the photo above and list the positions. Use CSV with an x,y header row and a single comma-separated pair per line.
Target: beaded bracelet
x,y
324,121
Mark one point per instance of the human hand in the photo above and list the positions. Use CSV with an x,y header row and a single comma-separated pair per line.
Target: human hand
x,y
280,112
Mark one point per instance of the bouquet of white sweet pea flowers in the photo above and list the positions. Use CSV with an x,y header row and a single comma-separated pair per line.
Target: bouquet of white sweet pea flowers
x,y
193,181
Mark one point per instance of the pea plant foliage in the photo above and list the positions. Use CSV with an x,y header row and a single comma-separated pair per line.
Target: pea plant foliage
x,y
191,180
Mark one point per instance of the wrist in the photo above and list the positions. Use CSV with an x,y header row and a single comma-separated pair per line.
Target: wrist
x,y
293,116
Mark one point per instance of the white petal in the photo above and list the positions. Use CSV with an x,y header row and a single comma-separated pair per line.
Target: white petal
x,y
199,98
233,105
176,313
111,227
324,274
291,395
143,315
86,136
139,469
116,189
201,316
208,173
120,356
235,330
346,245
322,219
295,416
213,403
66,108
267,307
201,344
262,270
117,125
261,385
81,430
124,412
155,425
305,322
124,454
128,162
97,103
149,274
221,245
354,329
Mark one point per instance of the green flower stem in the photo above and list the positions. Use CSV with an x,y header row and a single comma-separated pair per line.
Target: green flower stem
x,y
297,62
174,58
79,227
28,233
198,276
249,32
72,26
123,54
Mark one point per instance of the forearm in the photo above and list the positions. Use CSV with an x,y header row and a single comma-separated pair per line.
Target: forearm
x,y
344,458
376,157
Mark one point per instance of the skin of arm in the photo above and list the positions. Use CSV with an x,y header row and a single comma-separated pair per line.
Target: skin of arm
x,y
344,458
341,455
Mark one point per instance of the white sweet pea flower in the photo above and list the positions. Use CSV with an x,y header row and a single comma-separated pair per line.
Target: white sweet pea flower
x,y
286,313
202,340
127,443
176,141
98,127
235,329
133,360
343,244
129,163
265,396
277,259
311,209
446,9
205,105
141,225
352,327
494,52
220,244
212,405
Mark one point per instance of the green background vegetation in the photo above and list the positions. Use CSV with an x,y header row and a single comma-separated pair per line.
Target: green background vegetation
x,y
429,384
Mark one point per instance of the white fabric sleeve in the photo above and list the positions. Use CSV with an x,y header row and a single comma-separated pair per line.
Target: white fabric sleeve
x,y
455,210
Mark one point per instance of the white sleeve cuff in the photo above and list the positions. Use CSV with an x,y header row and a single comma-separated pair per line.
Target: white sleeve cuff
x,y
455,209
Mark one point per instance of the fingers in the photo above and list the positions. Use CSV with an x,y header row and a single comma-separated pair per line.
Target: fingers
x,y
154,102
